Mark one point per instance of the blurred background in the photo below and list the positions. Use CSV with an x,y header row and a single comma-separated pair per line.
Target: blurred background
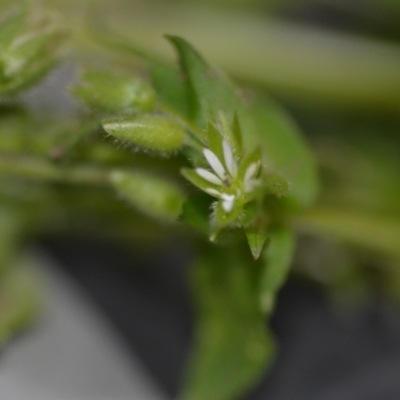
x,y
335,66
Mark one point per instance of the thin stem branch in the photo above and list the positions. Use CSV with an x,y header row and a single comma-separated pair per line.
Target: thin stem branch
x,y
38,169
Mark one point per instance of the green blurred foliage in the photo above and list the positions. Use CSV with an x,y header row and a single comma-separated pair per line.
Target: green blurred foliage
x,y
336,190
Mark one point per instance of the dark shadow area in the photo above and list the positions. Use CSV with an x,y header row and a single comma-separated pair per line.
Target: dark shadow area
x,y
323,355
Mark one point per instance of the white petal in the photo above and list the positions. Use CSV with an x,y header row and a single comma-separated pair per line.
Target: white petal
x,y
229,159
249,175
214,163
208,176
213,192
228,201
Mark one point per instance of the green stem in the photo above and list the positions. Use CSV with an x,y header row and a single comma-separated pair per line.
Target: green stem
x,y
34,168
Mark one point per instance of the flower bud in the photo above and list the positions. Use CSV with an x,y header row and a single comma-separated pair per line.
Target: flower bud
x,y
26,52
154,196
152,132
109,91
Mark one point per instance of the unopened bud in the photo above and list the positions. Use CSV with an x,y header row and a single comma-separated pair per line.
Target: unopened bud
x,y
154,196
153,132
109,91
26,52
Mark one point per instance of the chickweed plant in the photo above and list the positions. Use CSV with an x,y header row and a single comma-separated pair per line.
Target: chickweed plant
x,y
175,148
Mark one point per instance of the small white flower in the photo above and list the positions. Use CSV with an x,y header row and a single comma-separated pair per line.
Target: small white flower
x,y
224,175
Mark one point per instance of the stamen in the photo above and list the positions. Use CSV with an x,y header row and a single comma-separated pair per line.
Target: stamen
x,y
208,176
229,159
214,163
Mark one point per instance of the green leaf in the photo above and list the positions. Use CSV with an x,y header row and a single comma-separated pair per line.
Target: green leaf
x,y
275,259
371,231
285,152
170,86
153,132
210,90
232,346
154,196
215,141
110,91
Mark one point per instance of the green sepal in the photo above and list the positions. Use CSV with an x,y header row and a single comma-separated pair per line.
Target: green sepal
x,y
274,184
256,242
221,219
253,157
153,132
237,133
227,132
196,180
154,196
114,92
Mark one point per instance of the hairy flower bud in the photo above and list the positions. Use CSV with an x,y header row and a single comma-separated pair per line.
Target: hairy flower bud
x,y
113,92
152,195
152,132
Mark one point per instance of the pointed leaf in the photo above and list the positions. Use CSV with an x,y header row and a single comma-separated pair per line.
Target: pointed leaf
x,y
170,87
285,153
210,90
